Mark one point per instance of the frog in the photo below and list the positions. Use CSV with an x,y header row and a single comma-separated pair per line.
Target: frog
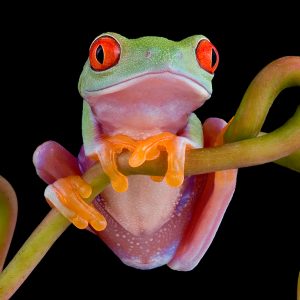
x,y
140,96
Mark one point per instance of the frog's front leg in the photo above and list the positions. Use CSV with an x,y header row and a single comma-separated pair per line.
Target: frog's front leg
x,y
99,147
174,145
106,152
66,189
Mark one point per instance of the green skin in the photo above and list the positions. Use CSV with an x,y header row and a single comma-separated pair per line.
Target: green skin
x,y
282,144
133,63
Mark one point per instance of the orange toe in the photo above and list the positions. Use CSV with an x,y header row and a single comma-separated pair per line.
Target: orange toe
x,y
109,148
67,195
150,148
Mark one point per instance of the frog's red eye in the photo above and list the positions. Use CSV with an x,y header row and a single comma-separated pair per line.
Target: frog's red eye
x,y
104,53
207,56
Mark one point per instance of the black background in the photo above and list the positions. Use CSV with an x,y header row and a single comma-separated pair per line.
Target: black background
x,y
256,251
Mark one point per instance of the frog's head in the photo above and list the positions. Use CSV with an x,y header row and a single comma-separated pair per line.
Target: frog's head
x,y
149,79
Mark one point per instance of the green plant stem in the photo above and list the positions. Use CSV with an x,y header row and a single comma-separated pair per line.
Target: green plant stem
x,y
260,95
291,161
31,253
298,287
41,240
8,217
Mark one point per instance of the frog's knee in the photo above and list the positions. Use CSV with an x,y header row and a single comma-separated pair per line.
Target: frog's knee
x,y
53,161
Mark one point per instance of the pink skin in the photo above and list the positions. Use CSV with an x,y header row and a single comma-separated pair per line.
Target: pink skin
x,y
147,105
209,210
52,161
182,235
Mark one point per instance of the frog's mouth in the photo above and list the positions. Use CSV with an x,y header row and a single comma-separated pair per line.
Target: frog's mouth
x,y
149,103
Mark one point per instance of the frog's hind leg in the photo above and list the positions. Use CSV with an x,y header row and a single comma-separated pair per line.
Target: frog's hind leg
x,y
212,202
52,161
59,168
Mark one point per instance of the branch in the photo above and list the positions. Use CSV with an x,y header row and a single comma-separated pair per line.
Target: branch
x,y
244,150
260,95
8,217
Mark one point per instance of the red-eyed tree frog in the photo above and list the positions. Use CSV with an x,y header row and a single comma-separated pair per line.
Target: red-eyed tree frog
x,y
139,96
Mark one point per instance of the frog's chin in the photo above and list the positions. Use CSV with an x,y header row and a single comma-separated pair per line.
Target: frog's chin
x,y
152,102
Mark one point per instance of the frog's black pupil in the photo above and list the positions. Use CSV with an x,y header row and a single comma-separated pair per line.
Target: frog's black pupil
x,y
100,54
213,57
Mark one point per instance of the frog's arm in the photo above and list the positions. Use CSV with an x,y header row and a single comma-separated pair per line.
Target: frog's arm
x,y
90,130
105,149
8,217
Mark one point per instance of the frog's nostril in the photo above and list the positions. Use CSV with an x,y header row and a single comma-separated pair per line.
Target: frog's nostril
x,y
148,54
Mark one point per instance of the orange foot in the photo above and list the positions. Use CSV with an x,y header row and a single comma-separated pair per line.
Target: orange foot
x,y
67,194
106,153
148,149
175,146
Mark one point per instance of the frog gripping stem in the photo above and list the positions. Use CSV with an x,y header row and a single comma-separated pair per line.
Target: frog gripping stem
x,y
67,194
107,154
175,146
148,149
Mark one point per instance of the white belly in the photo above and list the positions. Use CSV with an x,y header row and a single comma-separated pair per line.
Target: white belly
x,y
144,207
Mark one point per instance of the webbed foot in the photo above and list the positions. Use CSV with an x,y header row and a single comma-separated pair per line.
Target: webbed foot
x,y
106,153
67,196
174,145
